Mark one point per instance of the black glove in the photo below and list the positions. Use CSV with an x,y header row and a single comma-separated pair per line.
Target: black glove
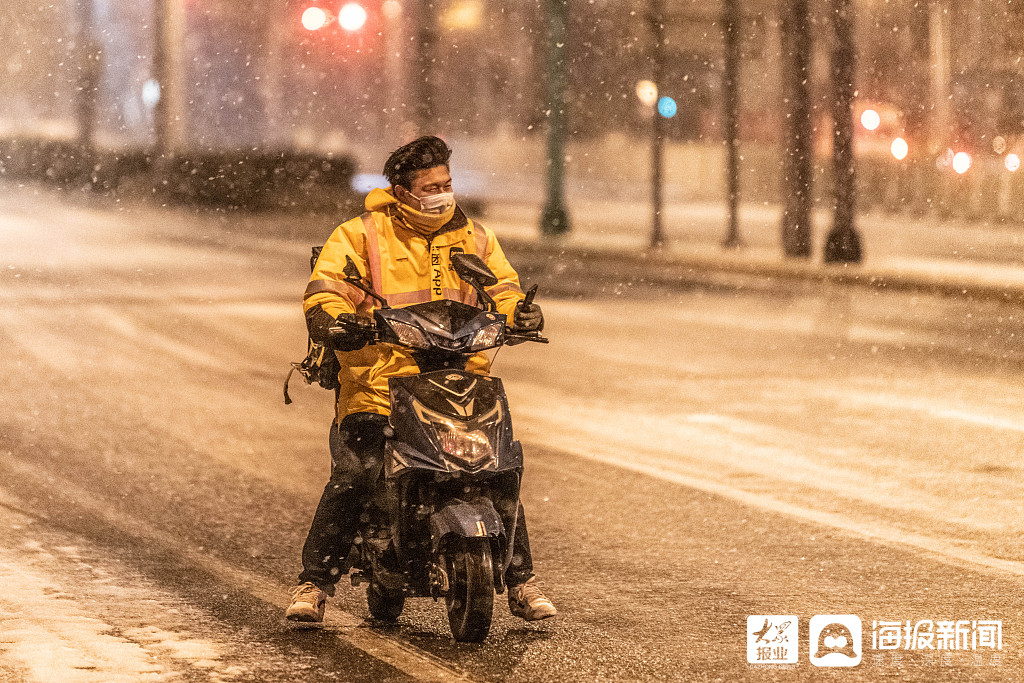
x,y
527,318
355,333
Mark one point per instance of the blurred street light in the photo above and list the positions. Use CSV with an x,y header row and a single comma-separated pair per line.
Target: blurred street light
x,y
464,15
314,19
667,106
647,92
1012,163
151,93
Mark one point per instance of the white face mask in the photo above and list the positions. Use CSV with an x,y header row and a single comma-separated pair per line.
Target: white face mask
x,y
436,203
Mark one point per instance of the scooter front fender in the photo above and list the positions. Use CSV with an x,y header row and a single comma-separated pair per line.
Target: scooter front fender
x,y
476,518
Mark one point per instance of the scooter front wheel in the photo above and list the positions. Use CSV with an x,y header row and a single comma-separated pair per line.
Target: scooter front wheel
x,y
470,598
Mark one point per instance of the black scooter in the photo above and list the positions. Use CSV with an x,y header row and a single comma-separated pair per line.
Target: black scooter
x,y
444,511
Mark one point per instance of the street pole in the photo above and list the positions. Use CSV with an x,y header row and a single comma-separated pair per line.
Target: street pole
x,y
939,71
657,22
842,244
89,58
168,47
555,219
731,24
796,216
424,33
395,64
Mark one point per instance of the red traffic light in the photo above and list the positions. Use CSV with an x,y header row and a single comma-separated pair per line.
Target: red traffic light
x,y
352,16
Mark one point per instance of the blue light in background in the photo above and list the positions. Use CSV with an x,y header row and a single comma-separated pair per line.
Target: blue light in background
x,y
364,182
667,107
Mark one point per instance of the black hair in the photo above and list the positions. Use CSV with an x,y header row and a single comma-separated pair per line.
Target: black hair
x,y
420,154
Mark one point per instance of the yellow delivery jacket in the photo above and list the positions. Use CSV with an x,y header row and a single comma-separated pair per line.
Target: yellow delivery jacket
x,y
405,268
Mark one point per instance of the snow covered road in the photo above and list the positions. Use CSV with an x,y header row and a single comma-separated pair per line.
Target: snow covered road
x,y
693,458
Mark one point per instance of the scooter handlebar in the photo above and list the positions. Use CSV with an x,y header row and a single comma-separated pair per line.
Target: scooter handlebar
x,y
513,337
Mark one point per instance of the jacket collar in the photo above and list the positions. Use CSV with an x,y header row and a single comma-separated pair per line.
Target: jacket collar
x,y
459,221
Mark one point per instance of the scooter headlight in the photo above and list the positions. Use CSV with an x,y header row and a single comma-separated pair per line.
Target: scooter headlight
x,y
487,337
410,335
470,447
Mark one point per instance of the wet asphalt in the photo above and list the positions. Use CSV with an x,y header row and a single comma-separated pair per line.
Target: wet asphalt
x,y
142,416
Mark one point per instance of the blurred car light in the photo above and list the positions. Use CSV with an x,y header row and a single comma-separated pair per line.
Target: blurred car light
x,y
899,149
870,119
961,162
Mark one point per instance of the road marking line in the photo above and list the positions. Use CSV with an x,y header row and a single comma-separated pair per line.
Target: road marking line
x,y
931,409
942,550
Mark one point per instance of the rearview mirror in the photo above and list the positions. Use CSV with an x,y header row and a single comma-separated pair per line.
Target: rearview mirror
x,y
355,278
473,270
352,270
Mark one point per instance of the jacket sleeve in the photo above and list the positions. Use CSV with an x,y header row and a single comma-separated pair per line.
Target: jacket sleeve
x,y
327,287
507,292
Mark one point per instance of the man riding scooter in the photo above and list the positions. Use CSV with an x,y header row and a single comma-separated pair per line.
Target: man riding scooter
x,y
404,243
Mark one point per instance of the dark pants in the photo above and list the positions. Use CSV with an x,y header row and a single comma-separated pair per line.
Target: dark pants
x,y
357,455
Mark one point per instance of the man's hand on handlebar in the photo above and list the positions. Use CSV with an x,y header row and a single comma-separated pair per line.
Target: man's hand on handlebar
x,y
527,318
351,332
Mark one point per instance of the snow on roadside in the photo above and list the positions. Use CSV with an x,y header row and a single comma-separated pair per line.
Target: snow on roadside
x,y
68,615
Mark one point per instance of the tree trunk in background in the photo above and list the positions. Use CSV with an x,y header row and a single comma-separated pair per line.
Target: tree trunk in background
x,y
938,33
843,243
731,25
798,160
555,218
657,22
168,70
423,25
89,57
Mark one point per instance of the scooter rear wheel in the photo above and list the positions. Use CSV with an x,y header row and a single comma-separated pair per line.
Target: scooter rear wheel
x,y
470,598
384,605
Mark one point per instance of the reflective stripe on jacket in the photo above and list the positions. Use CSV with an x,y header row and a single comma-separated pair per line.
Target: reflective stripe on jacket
x,y
405,269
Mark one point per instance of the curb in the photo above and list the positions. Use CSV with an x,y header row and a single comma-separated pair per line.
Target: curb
x,y
574,269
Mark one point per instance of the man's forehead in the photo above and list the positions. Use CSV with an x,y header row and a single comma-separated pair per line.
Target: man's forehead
x,y
429,176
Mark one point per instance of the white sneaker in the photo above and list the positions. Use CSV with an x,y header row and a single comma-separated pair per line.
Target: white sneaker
x,y
527,601
308,604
